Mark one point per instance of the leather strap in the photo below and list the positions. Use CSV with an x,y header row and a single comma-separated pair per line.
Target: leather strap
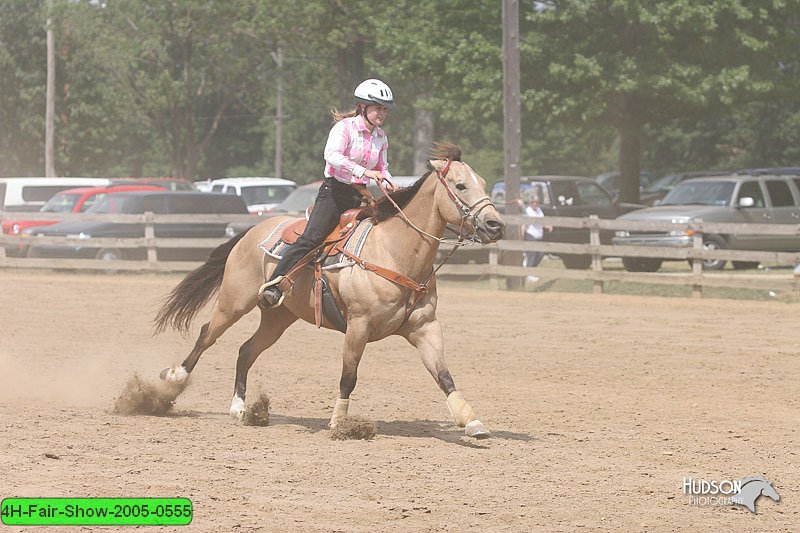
x,y
318,294
391,275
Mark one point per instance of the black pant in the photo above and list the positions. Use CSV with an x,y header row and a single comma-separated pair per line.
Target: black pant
x,y
333,199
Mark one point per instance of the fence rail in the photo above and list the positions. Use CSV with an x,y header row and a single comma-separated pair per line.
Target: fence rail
x,y
491,264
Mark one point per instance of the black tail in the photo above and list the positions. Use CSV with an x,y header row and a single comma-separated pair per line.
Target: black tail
x,y
191,294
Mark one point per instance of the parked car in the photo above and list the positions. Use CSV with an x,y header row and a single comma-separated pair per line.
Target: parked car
x,y
30,194
657,190
299,199
753,199
139,203
260,194
498,192
610,181
170,184
773,171
69,201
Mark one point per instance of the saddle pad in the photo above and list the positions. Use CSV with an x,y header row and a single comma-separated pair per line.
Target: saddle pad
x,y
354,245
273,245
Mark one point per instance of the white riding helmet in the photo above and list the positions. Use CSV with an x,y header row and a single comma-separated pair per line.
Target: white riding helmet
x,y
374,92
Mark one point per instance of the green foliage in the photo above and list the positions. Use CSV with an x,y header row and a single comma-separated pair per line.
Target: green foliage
x,y
634,64
188,87
23,70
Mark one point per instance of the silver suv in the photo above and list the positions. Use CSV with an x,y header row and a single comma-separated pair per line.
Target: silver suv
x,y
753,199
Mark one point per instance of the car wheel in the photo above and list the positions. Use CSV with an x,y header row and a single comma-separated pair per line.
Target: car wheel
x,y
577,262
110,254
745,265
641,264
713,242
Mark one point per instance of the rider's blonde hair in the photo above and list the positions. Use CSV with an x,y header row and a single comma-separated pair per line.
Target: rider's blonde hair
x,y
339,115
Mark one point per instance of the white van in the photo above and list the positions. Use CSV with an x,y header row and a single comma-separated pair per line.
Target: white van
x,y
29,194
260,194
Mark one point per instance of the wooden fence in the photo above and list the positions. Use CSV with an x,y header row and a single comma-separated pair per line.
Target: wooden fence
x,y
492,268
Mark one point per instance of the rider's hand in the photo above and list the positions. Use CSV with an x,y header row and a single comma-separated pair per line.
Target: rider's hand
x,y
388,186
374,175
385,184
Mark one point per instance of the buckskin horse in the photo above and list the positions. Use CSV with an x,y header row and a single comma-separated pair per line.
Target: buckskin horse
x,y
389,289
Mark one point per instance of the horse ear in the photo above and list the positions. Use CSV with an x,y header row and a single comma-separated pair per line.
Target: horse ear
x,y
436,164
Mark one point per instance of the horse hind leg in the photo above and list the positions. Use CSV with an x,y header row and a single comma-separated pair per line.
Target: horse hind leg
x,y
273,323
221,320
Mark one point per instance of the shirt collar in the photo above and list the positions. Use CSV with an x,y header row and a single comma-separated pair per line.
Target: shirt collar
x,y
361,124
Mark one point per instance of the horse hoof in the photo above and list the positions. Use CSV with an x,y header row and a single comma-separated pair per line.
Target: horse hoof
x,y
238,408
174,375
476,430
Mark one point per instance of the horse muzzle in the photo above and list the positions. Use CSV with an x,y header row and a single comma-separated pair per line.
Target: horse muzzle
x,y
490,229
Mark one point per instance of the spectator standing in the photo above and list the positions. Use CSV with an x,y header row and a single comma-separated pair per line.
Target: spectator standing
x,y
534,232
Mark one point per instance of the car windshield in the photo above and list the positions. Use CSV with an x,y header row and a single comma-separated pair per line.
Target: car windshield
x,y
114,203
663,183
61,203
579,193
299,200
716,192
537,189
265,194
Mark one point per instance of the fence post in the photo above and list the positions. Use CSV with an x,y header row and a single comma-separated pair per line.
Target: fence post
x,y
597,261
150,234
697,262
493,282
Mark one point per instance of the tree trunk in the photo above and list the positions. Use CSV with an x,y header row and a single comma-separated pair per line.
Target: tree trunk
x,y
423,137
50,108
630,150
351,68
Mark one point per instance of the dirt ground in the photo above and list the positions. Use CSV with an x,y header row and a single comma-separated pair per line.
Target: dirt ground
x,y
599,405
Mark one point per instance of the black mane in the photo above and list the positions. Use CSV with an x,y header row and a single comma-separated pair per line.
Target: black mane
x,y
386,209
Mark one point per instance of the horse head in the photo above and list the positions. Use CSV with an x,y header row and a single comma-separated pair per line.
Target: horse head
x,y
752,488
462,200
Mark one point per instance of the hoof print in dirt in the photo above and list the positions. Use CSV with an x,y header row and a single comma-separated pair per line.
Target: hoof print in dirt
x,y
353,427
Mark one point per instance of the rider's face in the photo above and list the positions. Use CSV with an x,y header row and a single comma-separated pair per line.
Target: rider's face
x,y
377,114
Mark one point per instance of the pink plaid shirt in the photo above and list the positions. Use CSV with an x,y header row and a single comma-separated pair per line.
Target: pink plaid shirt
x,y
351,149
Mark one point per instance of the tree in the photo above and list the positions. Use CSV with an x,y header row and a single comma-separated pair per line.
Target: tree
x,y
632,63
444,64
22,88
179,66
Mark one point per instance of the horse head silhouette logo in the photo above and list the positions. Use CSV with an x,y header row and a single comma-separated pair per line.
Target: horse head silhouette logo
x,y
752,488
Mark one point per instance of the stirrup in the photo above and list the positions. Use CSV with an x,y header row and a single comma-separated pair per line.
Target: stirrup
x,y
267,285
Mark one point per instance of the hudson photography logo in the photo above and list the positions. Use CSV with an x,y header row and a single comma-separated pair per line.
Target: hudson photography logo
x,y
744,491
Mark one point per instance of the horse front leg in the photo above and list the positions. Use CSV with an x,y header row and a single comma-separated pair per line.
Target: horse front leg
x,y
428,339
355,340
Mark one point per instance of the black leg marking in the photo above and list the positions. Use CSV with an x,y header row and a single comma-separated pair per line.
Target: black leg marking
x,y
445,381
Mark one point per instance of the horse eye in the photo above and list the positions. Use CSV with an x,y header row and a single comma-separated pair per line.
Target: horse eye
x,y
460,186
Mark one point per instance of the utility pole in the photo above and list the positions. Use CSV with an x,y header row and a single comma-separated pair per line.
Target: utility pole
x,y
512,144
278,58
50,107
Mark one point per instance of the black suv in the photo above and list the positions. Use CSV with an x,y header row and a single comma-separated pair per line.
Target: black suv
x,y
174,203
562,196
